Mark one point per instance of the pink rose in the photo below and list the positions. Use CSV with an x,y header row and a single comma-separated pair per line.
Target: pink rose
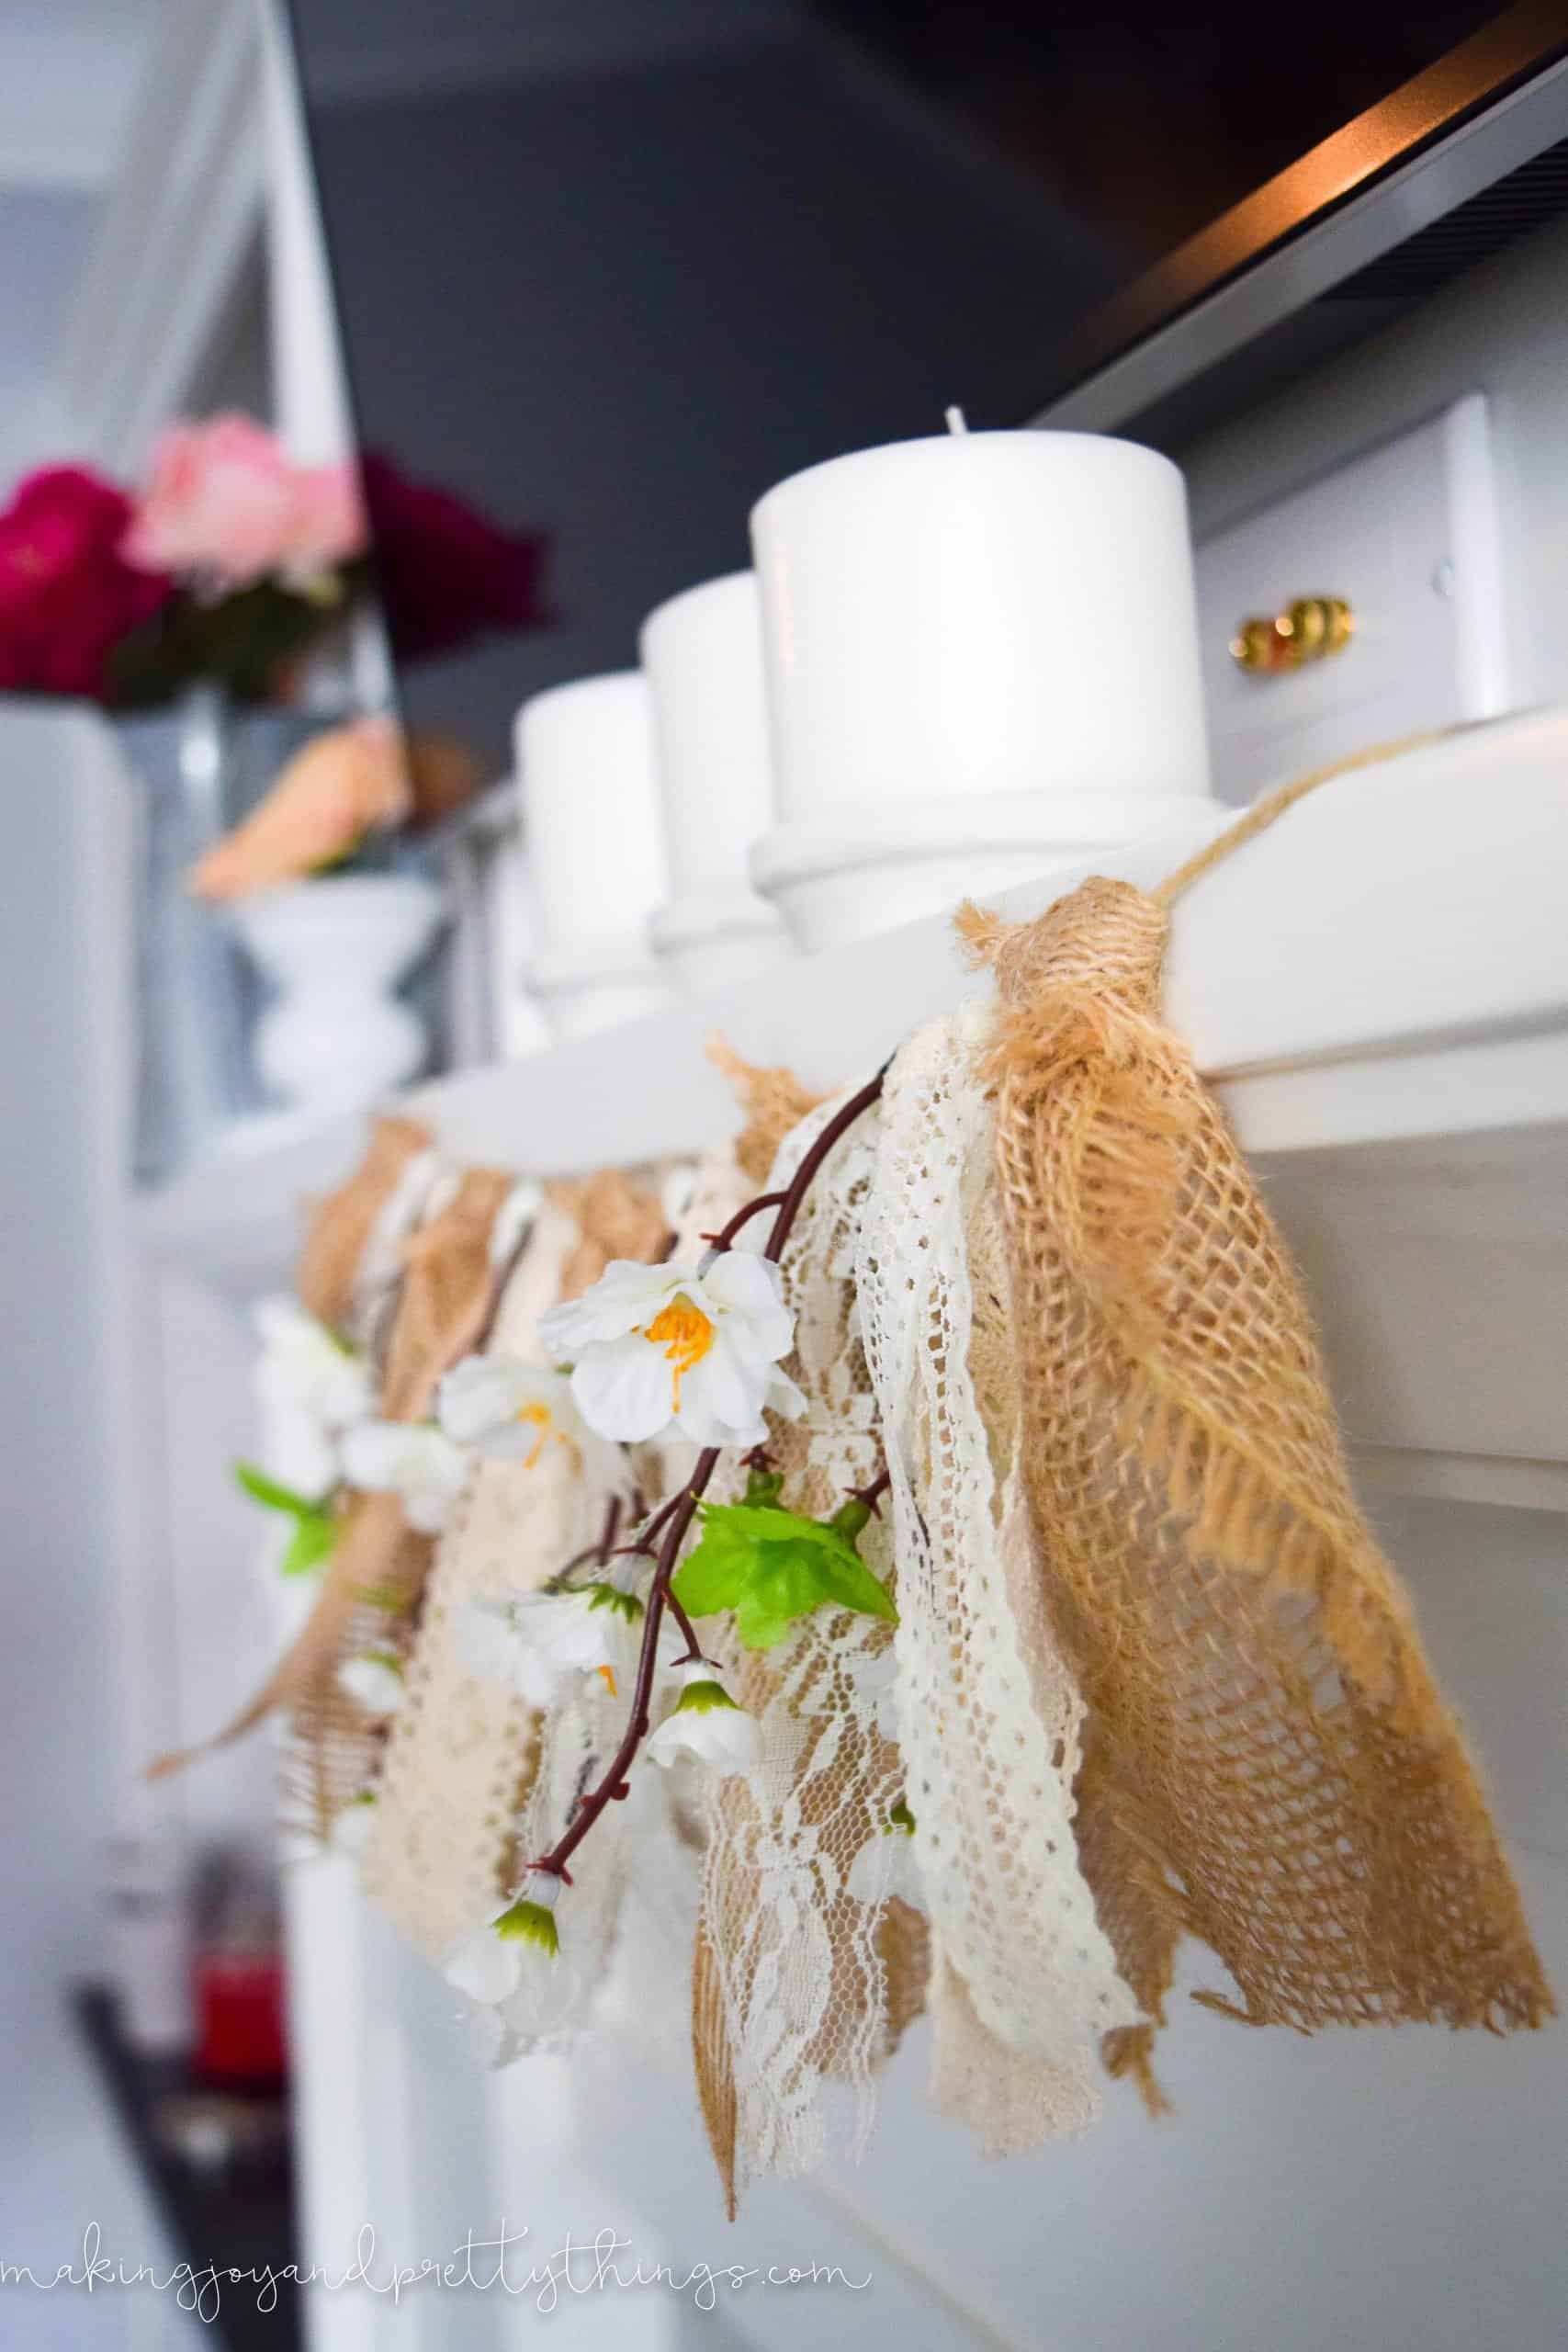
x,y
329,524
224,507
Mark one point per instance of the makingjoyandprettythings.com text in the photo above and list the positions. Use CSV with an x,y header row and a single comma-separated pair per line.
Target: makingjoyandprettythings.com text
x,y
499,2264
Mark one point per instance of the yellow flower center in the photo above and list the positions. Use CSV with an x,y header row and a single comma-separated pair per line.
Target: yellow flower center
x,y
536,1417
685,1334
609,1674
539,1417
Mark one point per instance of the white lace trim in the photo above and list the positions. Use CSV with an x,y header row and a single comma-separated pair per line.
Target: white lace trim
x,y
987,1712
796,1949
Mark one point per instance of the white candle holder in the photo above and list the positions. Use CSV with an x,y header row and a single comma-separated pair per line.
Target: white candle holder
x,y
981,654
590,805
702,655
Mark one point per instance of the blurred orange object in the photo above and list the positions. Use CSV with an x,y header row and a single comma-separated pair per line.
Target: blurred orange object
x,y
366,777
443,775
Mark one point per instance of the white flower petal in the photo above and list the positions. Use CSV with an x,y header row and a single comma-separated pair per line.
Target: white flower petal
x,y
720,1388
626,1294
623,1389
719,1732
372,1682
708,1373
373,1453
539,1644
509,1410
783,1397
485,1966
414,1460
491,1647
304,1368
750,1288
353,1825
479,1396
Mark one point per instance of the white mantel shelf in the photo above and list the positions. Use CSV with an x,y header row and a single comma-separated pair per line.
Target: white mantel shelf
x,y
1379,988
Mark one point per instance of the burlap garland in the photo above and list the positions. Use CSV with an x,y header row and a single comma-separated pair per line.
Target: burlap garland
x,y
335,1245
618,1215
461,1755
773,1099
1269,1765
373,1577
371,1586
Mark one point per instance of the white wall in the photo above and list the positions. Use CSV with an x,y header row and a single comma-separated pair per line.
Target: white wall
x,y
63,1525
44,239
765,263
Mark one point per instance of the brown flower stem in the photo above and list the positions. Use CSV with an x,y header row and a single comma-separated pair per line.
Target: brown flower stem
x,y
681,1510
693,1653
662,1518
871,1496
725,1239
614,1782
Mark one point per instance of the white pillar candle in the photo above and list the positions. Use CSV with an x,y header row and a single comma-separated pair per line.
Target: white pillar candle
x,y
981,658
590,805
702,655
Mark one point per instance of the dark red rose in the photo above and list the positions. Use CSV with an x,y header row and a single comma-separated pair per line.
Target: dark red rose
x,y
67,596
446,576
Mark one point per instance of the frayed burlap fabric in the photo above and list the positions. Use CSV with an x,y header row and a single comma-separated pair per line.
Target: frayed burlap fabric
x,y
618,1214
461,1752
1269,1765
773,1099
338,1241
371,1583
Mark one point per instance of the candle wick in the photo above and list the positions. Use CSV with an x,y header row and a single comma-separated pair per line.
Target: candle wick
x,y
957,422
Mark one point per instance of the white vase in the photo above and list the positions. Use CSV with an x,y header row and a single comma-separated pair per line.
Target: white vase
x,y
336,1038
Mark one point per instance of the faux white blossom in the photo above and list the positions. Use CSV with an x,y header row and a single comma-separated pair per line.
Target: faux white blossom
x,y
886,1866
536,1645
659,1348
374,1680
413,1459
488,1965
352,1823
707,1722
305,1368
512,1411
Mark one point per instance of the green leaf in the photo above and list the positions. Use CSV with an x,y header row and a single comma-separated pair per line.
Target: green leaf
x,y
716,1571
387,1597
313,1541
851,1583
271,1492
625,1605
771,1565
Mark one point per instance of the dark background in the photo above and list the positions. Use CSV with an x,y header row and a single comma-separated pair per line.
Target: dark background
x,y
611,267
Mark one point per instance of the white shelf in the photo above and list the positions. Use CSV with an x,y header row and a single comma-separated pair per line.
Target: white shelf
x,y
1378,986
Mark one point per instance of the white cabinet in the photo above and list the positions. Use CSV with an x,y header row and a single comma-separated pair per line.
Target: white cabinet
x,y
1406,534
